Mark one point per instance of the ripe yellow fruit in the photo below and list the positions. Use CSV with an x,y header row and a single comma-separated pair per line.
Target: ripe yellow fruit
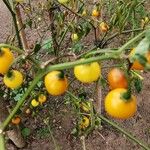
x,y
13,79
6,59
87,73
42,98
117,107
74,37
34,103
56,83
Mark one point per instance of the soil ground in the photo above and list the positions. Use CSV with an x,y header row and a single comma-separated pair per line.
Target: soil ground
x,y
62,122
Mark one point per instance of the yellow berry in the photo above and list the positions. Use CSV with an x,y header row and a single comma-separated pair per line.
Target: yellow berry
x,y
34,103
42,98
74,37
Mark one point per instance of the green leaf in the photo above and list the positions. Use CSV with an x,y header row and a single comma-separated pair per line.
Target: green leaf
x,y
143,47
48,45
142,59
39,84
77,47
26,132
18,97
87,28
138,85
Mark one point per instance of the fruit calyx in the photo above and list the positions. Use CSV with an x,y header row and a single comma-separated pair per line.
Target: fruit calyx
x,y
1,52
126,96
9,74
61,75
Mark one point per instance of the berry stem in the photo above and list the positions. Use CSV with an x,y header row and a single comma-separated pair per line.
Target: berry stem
x,y
127,95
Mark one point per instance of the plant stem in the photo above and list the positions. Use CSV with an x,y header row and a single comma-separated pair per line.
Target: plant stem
x,y
18,50
15,22
123,32
124,132
21,28
53,31
2,142
68,65
98,99
135,39
98,51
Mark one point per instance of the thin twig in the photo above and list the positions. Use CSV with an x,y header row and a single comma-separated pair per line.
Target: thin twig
x,y
83,142
98,97
118,33
21,28
15,22
53,31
